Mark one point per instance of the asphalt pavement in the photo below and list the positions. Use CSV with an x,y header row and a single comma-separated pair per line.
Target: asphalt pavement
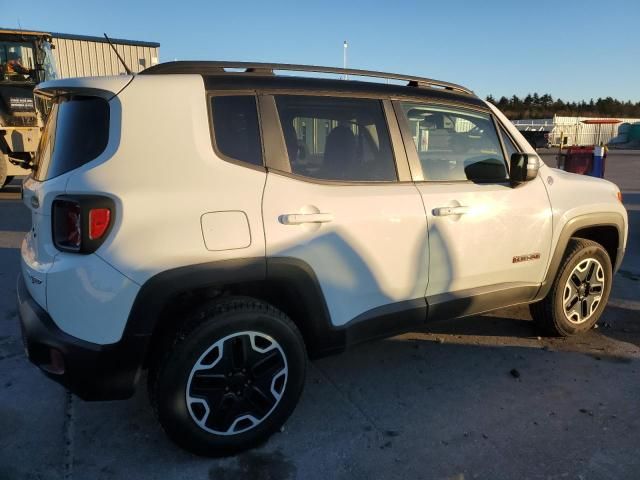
x,y
482,397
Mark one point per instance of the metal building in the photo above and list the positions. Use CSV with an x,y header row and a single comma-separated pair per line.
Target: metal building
x,y
85,56
575,130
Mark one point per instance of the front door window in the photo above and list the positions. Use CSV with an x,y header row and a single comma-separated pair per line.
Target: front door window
x,y
455,144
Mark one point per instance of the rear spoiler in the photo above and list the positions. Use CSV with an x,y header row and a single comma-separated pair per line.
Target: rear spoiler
x,y
105,87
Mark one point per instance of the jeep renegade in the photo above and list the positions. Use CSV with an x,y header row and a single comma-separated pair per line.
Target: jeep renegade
x,y
214,224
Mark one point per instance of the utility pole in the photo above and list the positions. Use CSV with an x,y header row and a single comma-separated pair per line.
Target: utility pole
x,y
344,58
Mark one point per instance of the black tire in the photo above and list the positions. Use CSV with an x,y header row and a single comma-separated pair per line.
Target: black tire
x,y
566,299
219,336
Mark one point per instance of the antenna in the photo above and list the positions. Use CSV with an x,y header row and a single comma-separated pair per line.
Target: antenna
x,y
129,72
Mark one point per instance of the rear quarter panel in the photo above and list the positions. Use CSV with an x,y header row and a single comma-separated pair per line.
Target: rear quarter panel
x,y
163,176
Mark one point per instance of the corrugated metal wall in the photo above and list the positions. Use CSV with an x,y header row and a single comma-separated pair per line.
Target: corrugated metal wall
x,y
578,133
88,58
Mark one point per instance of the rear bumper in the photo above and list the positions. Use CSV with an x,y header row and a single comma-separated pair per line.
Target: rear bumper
x,y
89,370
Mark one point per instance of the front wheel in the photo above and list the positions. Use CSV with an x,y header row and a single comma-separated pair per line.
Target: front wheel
x,y
579,292
231,379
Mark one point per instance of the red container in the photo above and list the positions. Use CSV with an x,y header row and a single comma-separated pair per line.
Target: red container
x,y
579,160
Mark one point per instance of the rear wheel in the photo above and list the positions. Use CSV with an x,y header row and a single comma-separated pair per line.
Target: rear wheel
x,y
579,292
231,379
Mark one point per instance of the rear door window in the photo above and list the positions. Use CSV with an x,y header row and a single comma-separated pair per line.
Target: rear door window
x,y
336,138
76,132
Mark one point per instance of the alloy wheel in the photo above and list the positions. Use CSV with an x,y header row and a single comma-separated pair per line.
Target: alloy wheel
x,y
583,290
237,383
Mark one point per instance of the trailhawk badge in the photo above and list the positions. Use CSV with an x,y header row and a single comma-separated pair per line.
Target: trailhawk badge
x,y
526,258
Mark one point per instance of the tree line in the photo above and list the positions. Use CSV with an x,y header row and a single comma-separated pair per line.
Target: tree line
x,y
545,106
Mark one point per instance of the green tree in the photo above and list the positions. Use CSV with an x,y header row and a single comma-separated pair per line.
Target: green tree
x,y
534,105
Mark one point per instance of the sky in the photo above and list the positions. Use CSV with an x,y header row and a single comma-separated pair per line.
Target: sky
x,y
570,49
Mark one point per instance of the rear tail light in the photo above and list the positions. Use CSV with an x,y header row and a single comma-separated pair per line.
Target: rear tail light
x,y
67,230
99,219
81,223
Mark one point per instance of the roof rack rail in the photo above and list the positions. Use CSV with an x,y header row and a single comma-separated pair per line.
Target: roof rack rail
x,y
256,68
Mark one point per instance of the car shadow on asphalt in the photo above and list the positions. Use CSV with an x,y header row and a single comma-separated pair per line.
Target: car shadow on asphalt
x,y
616,337
403,402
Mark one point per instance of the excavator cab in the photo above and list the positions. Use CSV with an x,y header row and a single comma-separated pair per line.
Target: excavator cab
x,y
25,57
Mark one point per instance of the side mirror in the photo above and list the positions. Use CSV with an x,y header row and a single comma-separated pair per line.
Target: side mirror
x,y
523,168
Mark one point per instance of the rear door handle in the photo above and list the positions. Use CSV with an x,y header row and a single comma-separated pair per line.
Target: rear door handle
x,y
445,211
300,218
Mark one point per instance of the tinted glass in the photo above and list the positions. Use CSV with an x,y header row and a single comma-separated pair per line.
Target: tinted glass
x,y
236,128
76,132
331,138
455,145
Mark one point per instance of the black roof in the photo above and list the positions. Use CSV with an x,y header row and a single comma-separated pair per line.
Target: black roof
x,y
229,75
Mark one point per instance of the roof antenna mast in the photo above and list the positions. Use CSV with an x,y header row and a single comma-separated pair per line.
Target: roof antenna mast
x,y
127,69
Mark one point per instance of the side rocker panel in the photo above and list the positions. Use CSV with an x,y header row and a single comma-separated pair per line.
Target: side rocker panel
x,y
313,318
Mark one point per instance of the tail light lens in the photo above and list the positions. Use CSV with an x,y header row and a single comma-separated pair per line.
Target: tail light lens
x,y
81,223
67,228
99,219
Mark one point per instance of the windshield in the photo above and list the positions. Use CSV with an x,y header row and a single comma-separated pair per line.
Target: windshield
x,y
22,62
17,62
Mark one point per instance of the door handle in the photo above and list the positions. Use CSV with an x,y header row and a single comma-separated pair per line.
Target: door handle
x,y
300,218
445,211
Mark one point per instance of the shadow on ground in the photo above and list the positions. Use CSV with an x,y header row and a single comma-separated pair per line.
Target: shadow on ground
x,y
462,397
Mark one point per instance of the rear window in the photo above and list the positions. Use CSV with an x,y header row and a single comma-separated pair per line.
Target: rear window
x,y
76,132
236,129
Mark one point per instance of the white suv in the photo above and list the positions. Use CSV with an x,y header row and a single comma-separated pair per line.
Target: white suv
x,y
215,223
